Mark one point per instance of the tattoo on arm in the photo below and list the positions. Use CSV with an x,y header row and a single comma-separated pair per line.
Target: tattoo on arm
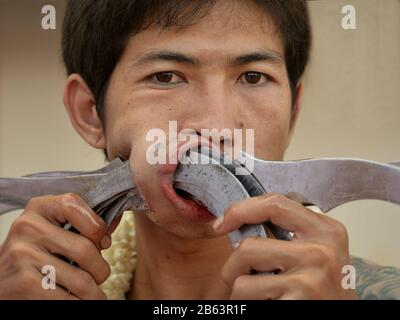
x,y
376,282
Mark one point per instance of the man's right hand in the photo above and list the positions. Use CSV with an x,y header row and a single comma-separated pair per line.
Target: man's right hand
x,y
37,238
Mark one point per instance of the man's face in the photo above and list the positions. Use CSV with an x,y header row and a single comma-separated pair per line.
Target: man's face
x,y
226,71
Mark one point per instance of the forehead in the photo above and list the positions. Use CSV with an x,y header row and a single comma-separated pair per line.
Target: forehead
x,y
230,27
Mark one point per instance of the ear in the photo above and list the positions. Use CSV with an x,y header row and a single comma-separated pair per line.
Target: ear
x,y
81,108
295,111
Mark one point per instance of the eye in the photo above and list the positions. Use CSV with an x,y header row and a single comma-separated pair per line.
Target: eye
x,y
166,78
252,77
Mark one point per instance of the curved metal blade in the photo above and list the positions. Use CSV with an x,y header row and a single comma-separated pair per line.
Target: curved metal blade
x,y
328,183
96,187
216,187
115,194
16,192
395,164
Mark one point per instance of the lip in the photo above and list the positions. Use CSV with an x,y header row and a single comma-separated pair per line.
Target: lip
x,y
187,208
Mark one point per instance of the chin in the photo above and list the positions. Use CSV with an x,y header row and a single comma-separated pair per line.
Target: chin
x,y
171,221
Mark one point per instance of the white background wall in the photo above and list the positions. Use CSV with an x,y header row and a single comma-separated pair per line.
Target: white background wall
x,y
351,105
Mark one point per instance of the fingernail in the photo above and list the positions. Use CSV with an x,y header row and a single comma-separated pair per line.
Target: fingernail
x,y
218,223
105,243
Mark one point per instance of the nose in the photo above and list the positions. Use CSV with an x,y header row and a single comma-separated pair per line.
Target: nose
x,y
214,116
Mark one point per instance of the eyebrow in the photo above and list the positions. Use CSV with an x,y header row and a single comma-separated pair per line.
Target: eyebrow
x,y
261,56
165,55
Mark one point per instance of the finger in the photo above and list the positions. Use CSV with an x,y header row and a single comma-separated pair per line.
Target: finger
x,y
59,294
31,287
70,208
263,255
260,287
281,211
73,279
77,248
56,293
45,236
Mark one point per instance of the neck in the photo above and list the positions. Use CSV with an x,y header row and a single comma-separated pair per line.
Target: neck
x,y
170,267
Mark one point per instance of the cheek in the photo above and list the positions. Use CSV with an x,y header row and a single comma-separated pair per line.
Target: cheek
x,y
126,128
270,122
270,141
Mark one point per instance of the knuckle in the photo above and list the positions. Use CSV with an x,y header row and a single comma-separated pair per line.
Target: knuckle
x,y
69,199
35,202
228,275
83,283
23,225
225,277
238,285
86,287
335,228
339,231
85,249
317,252
100,295
107,272
246,245
98,231
303,286
233,209
74,205
19,225
322,253
104,273
17,251
274,200
274,197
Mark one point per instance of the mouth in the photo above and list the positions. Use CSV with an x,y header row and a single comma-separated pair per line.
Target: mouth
x,y
184,203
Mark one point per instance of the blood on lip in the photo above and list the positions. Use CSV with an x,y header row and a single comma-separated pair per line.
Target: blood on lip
x,y
186,207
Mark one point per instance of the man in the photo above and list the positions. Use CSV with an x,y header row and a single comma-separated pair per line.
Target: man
x,y
136,65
